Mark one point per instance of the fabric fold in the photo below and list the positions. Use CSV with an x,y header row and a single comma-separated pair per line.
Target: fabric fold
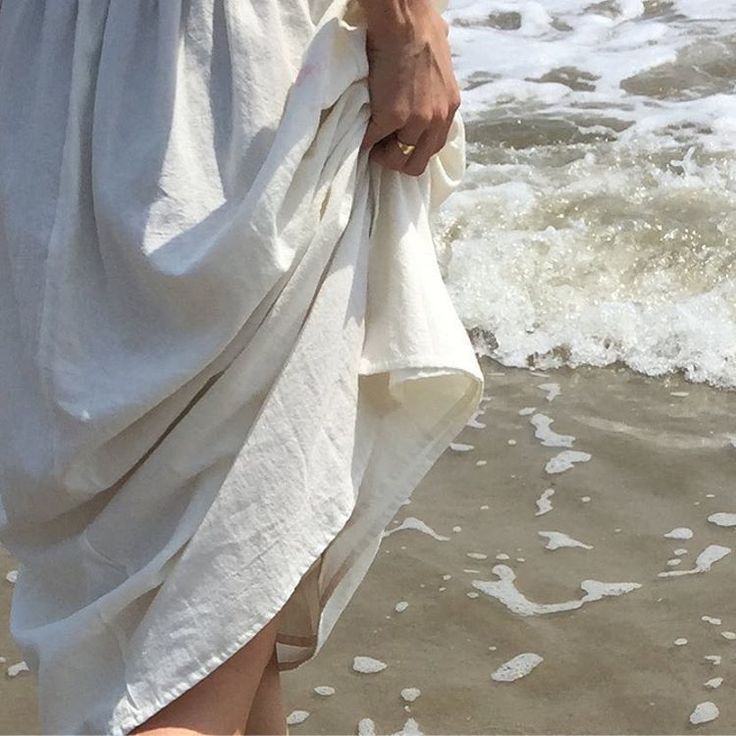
x,y
243,357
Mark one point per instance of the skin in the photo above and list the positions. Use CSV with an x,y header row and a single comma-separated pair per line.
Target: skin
x,y
413,90
414,96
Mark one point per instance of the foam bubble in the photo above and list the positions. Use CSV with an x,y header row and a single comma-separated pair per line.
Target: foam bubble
x,y
565,460
722,519
544,505
473,422
705,560
516,668
410,694
504,590
680,532
704,712
547,436
410,728
18,668
552,389
412,522
557,540
325,690
368,665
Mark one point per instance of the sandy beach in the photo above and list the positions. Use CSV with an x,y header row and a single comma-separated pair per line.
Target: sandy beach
x,y
468,562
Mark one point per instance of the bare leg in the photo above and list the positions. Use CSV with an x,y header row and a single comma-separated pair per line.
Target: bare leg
x,y
267,711
219,703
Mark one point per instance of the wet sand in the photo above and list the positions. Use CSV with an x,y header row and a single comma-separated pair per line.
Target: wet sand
x,y
609,664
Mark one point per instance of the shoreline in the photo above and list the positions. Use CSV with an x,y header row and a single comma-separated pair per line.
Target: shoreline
x,y
661,458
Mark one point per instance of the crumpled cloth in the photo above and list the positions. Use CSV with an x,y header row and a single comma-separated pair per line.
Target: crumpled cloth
x,y
227,355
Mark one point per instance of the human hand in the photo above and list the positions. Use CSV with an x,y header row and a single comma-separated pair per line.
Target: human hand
x,y
413,90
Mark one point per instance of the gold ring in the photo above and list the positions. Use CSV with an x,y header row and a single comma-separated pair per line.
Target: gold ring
x,y
406,148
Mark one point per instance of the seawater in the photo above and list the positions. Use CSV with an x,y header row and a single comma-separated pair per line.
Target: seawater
x,y
597,220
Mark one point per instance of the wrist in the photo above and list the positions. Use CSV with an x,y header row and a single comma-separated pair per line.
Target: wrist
x,y
394,16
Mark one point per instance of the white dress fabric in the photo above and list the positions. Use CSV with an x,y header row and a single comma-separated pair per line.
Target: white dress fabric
x,y
227,355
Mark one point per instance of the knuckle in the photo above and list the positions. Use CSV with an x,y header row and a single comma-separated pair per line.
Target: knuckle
x,y
441,114
396,116
421,119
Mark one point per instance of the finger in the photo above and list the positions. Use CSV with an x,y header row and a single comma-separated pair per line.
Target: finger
x,y
388,153
426,147
373,133
442,133
391,154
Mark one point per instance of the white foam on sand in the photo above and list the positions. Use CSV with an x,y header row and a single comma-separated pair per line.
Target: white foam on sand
x,y
401,606
549,438
16,669
704,712
411,522
368,665
544,505
411,728
504,590
473,422
680,532
12,576
410,694
705,560
714,659
325,690
680,551
730,635
516,668
714,683
461,447
366,727
680,642
476,555
297,716
527,410
565,460
552,389
557,540
711,620
722,519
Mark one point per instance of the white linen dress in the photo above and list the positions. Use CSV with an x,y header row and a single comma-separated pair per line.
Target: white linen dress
x,y
227,355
